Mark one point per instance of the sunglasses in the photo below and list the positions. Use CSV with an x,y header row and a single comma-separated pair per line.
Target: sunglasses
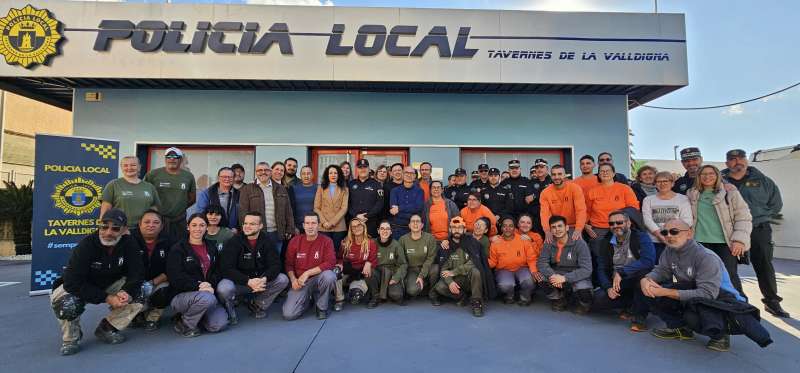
x,y
616,223
105,227
173,156
672,232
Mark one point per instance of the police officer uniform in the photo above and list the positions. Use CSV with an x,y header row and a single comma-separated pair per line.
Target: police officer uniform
x,y
458,193
479,185
497,198
686,182
518,188
537,187
367,197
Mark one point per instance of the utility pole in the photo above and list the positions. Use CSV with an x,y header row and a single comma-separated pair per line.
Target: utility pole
x,y
675,150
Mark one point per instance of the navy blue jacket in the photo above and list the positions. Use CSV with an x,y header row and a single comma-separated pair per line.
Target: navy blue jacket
x,y
641,247
410,201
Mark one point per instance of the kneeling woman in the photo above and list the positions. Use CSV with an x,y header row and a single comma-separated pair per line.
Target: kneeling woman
x,y
392,265
193,274
356,260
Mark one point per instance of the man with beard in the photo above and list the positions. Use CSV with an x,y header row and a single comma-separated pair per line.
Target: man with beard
x,y
238,176
563,198
291,172
588,179
250,267
464,271
566,266
105,267
691,159
176,189
764,199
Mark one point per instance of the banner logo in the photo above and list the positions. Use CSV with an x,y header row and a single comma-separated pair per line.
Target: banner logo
x,y
77,196
105,151
28,36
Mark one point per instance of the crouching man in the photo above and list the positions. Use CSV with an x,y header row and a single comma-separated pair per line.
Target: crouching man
x,y
566,266
701,278
251,268
309,264
105,267
465,273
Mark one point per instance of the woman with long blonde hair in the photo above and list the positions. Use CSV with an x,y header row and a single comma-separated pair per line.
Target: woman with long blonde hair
x,y
356,261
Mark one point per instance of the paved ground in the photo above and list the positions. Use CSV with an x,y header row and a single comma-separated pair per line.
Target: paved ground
x,y
415,338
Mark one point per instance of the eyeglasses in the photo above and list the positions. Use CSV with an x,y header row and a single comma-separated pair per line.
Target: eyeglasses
x,y
672,232
604,159
663,181
172,156
616,223
105,227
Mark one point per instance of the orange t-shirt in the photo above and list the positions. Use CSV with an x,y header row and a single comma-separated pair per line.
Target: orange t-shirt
x,y
536,242
568,202
482,212
512,255
603,199
586,183
437,218
560,247
426,189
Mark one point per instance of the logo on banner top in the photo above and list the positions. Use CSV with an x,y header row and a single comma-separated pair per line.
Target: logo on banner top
x,y
105,151
77,196
28,36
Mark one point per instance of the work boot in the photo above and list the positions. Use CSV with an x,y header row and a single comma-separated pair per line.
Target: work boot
x,y
355,296
108,333
508,299
150,326
184,330
338,306
138,321
462,301
682,333
775,309
435,300
259,314
558,305
638,324
230,308
372,303
721,344
71,348
477,308
321,314
582,308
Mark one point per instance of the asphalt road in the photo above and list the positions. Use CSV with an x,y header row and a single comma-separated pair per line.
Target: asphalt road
x,y
415,338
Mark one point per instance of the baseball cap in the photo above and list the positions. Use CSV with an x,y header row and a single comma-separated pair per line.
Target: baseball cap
x,y
513,163
474,173
460,171
457,221
175,151
116,217
735,153
494,171
540,162
363,162
483,167
690,153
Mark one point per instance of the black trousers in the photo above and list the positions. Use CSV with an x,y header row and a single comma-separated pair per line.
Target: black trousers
x,y
675,314
731,263
761,250
627,299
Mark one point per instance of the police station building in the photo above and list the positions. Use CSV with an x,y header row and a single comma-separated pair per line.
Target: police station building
x,y
246,83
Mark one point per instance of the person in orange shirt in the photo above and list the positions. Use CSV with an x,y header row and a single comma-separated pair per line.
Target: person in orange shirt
x,y
475,210
588,179
512,259
562,198
425,169
525,230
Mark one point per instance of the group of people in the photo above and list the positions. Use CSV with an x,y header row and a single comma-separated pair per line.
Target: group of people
x,y
599,241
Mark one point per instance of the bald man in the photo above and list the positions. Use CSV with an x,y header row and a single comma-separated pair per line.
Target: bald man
x,y
405,200
700,275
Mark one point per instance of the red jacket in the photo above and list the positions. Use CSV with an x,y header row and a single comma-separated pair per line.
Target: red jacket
x,y
355,257
302,254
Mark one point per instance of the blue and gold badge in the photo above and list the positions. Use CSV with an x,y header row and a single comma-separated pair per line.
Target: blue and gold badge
x,y
28,36
77,196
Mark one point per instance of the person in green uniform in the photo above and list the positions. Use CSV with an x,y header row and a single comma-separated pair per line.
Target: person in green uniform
x,y
420,249
214,233
176,191
392,265
479,232
129,193
460,277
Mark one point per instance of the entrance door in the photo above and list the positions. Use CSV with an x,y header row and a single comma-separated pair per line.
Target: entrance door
x,y
322,157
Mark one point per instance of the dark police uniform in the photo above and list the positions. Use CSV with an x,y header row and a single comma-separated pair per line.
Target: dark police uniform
x,y
367,197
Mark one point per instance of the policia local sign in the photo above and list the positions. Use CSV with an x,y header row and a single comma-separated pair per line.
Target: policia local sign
x,y
249,42
70,175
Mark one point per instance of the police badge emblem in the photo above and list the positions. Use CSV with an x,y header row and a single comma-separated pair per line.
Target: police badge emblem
x,y
28,36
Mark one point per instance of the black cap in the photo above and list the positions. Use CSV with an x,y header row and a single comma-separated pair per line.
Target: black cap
x,y
540,162
532,168
494,171
474,173
116,217
690,153
735,153
513,163
363,162
483,167
460,171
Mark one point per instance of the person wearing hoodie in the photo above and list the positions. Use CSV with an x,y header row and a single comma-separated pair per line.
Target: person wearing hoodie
x,y
405,200
392,266
626,255
698,274
438,212
566,268
764,199
722,221
464,271
250,267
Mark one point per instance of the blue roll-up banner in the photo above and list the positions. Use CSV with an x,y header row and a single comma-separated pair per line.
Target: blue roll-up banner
x,y
70,175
